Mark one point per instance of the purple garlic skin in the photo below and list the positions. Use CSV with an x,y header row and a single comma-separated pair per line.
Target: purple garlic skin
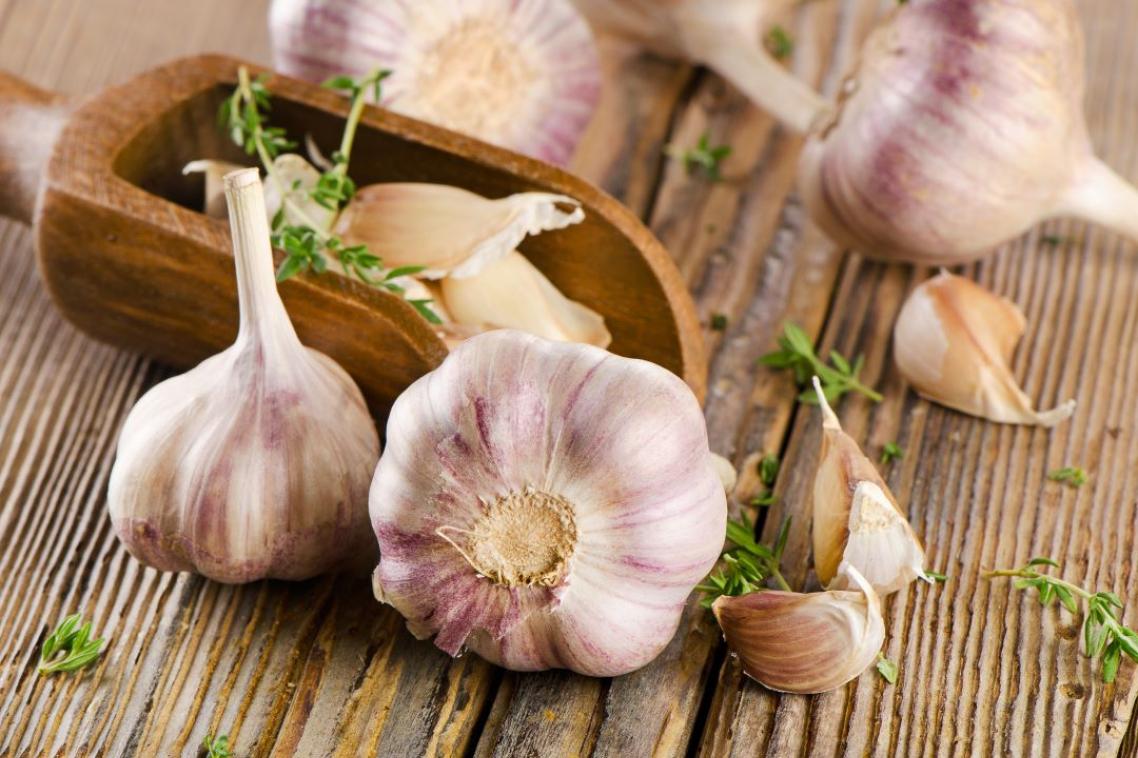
x,y
546,505
960,128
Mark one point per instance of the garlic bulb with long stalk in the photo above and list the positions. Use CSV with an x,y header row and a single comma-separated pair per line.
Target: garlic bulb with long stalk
x,y
724,35
960,128
546,505
857,522
522,74
513,294
804,643
451,231
953,341
256,463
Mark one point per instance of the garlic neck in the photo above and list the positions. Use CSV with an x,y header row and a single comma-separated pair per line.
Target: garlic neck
x,y
263,317
1102,196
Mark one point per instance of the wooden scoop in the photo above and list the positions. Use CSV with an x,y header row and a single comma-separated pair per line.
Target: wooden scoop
x,y
129,259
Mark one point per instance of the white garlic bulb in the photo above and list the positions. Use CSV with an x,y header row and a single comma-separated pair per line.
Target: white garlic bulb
x,y
546,505
953,341
804,643
856,521
256,462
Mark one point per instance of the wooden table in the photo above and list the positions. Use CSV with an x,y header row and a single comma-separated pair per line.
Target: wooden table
x,y
319,668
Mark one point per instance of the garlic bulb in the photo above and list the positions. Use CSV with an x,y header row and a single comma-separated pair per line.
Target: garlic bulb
x,y
522,74
857,522
804,643
451,231
511,293
960,128
546,505
953,341
724,35
255,463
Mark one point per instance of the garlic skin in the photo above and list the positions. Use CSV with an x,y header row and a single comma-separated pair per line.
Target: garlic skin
x,y
295,178
953,341
856,521
449,230
804,643
513,294
522,74
724,35
255,463
960,128
213,204
546,505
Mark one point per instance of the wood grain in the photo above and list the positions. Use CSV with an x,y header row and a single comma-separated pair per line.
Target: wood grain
x,y
319,669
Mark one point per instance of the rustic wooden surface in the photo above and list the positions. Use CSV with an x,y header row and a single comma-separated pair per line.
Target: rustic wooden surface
x,y
319,669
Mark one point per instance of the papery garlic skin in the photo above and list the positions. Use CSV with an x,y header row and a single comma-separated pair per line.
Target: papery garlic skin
x,y
451,231
804,643
513,294
546,505
856,520
256,463
522,74
953,341
959,129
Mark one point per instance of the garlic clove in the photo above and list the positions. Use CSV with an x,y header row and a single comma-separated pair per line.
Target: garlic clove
x,y
449,230
213,204
256,463
513,294
727,473
856,520
804,643
295,178
522,74
953,341
546,505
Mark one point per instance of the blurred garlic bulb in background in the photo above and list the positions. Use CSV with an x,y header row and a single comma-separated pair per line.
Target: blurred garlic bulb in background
x,y
255,463
961,127
804,643
546,505
856,520
954,340
522,74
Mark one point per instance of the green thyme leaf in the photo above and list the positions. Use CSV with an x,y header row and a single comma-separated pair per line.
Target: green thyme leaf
x,y
1072,476
779,43
703,156
891,452
217,747
887,668
69,647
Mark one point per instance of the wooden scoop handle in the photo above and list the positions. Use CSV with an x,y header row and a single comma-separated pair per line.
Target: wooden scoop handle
x,y
30,121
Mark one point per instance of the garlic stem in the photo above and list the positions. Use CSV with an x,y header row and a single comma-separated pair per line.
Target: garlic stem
x,y
260,303
762,79
1104,197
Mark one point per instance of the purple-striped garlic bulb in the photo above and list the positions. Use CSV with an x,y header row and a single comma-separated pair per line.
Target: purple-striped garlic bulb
x,y
255,463
522,74
546,505
961,127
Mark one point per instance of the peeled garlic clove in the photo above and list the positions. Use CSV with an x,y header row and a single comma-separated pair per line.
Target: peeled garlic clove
x,y
856,521
213,204
804,643
523,75
546,505
255,463
953,341
960,128
513,294
295,178
449,230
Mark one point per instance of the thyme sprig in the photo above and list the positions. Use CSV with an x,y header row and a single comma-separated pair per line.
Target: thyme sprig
x,y
217,747
1104,634
891,452
768,475
307,243
704,156
748,564
1072,476
796,352
69,647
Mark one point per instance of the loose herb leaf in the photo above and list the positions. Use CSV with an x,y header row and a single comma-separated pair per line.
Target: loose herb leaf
x,y
702,156
887,668
747,565
891,452
768,474
1104,634
718,321
796,352
1052,240
1072,476
69,647
217,747
779,43
936,576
